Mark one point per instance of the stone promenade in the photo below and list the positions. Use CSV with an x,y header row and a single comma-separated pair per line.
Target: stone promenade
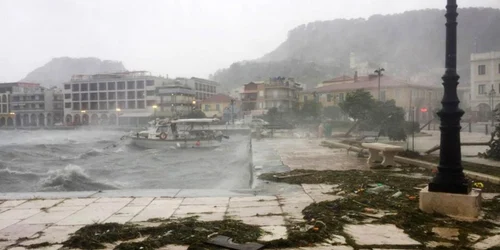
x,y
24,222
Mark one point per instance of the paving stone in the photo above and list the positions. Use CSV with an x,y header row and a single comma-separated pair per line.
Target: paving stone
x,y
371,234
118,219
6,223
5,244
295,197
141,201
488,243
446,233
11,203
293,211
173,247
264,220
48,217
484,196
19,214
310,187
319,196
59,208
17,231
113,200
77,202
327,248
54,234
338,239
206,201
38,204
434,244
253,203
129,211
199,209
158,208
274,233
253,211
253,198
202,217
93,213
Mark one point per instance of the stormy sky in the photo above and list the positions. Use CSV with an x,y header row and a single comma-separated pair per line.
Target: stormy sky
x,y
179,38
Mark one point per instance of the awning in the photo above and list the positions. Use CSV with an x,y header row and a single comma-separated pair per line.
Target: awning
x,y
142,114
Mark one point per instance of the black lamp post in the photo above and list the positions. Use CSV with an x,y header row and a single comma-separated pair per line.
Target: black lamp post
x,y
450,177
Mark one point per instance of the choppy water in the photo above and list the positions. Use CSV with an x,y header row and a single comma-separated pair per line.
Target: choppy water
x,y
87,160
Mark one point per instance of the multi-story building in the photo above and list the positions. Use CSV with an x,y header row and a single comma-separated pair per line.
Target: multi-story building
x,y
414,97
174,100
485,77
124,98
203,88
215,106
278,92
36,105
7,116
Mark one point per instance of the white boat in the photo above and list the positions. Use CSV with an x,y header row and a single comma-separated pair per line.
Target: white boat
x,y
181,133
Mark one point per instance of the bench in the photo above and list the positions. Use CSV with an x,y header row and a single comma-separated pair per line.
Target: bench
x,y
388,153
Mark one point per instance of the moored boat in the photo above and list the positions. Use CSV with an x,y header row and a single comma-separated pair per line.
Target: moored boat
x,y
181,133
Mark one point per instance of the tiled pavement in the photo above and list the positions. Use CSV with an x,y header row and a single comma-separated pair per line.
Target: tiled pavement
x,y
53,220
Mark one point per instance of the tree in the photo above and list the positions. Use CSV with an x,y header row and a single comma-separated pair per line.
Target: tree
x,y
332,112
272,115
358,104
311,109
196,114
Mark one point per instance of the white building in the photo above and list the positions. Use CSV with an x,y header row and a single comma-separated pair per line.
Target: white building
x,y
36,106
125,98
203,88
485,77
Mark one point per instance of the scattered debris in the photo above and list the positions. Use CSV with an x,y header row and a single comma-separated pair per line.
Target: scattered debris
x,y
227,242
446,232
397,194
473,237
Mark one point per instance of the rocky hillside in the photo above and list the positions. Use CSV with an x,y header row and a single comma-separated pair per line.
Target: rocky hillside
x,y
410,44
60,70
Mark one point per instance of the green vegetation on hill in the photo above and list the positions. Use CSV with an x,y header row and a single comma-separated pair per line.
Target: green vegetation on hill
x,y
411,43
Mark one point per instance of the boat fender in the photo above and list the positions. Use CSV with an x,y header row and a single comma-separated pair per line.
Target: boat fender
x,y
163,136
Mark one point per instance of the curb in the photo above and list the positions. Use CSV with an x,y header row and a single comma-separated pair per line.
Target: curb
x,y
424,164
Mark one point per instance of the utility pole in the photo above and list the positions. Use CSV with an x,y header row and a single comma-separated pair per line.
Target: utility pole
x,y
232,111
379,72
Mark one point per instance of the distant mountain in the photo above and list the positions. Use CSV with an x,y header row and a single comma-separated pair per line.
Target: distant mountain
x,y
60,70
408,45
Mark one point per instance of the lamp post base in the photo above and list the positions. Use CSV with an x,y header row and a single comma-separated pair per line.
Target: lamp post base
x,y
450,183
461,206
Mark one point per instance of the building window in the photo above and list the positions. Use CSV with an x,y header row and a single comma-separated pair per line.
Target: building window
x,y
207,107
481,69
66,96
150,83
480,89
261,93
111,86
76,87
140,84
93,86
120,85
131,85
67,86
67,105
217,107
85,96
150,103
84,87
111,95
150,93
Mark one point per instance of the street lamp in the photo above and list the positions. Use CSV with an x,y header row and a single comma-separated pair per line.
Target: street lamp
x,y
379,72
491,95
450,177
154,111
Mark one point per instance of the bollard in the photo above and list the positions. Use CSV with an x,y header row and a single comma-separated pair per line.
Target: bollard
x,y
470,127
485,129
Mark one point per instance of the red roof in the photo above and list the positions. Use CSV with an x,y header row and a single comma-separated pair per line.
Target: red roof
x,y
339,79
371,82
218,98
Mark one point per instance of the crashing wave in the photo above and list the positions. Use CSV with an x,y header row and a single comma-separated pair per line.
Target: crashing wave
x,y
71,178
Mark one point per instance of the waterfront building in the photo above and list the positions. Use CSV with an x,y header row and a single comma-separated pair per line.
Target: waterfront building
x,y
36,106
485,84
122,98
277,92
174,100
